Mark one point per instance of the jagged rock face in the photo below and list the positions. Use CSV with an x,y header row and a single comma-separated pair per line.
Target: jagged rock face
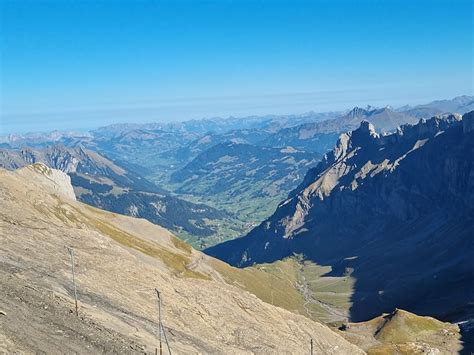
x,y
396,209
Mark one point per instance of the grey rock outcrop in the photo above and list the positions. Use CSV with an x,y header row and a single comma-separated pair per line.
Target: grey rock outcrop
x,y
52,180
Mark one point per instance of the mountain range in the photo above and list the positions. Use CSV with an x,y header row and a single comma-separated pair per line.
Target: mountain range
x,y
164,154
320,137
193,129
391,215
459,104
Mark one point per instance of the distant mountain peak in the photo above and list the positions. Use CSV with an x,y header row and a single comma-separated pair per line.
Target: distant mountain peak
x,y
386,108
463,98
361,136
369,111
358,112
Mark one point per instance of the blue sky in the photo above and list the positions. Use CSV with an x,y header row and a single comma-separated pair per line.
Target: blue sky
x,y
81,64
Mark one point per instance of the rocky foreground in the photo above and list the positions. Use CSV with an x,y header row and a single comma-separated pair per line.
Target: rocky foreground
x,y
119,262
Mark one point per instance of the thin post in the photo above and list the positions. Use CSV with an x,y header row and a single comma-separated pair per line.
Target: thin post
x,y
166,339
71,254
159,320
160,326
311,342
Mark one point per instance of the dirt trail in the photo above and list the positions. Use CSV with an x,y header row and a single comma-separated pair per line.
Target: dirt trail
x,y
303,286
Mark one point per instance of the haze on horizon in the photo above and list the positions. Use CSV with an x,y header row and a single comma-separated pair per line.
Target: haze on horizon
x,y
83,64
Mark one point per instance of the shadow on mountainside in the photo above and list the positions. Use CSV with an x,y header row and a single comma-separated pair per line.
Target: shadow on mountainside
x,y
421,273
430,278
406,236
467,337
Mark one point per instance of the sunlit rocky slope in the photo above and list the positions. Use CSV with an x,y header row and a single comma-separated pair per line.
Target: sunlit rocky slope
x,y
119,262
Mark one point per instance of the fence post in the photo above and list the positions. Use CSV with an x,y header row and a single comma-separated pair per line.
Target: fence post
x,y
71,254
159,320
160,326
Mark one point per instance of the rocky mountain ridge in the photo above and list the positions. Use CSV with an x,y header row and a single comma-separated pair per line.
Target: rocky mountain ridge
x,y
378,207
102,183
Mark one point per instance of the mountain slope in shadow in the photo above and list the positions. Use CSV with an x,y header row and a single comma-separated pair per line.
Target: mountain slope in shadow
x,y
396,212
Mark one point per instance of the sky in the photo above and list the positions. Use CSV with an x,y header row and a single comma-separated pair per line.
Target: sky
x,y
76,65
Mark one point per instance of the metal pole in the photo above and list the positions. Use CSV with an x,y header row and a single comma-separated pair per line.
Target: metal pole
x,y
159,319
166,340
161,327
71,254
311,342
